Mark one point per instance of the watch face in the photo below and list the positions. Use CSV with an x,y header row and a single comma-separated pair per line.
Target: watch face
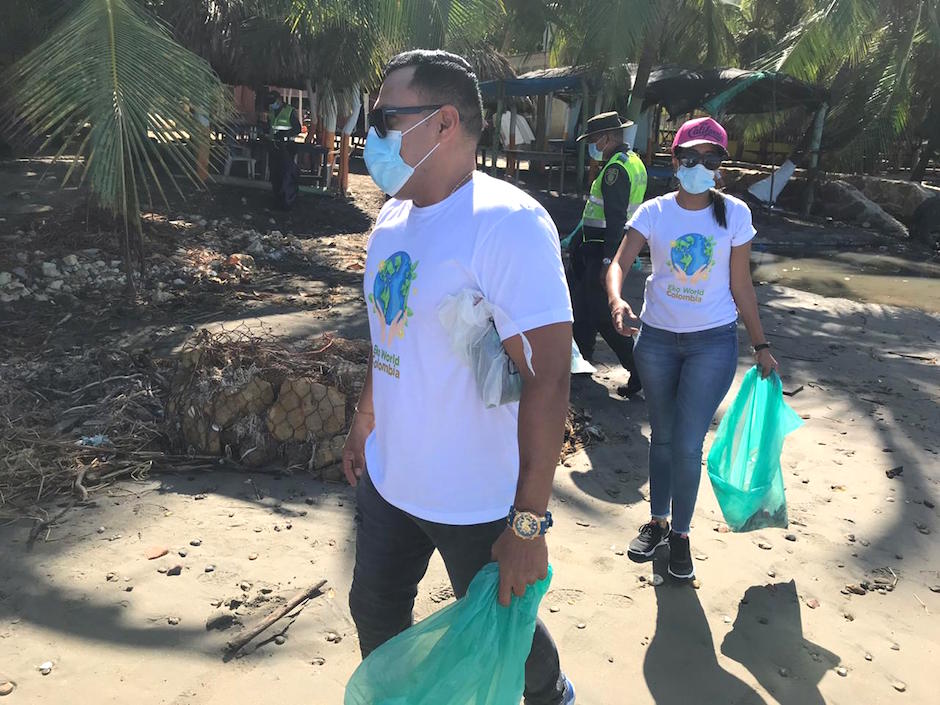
x,y
526,525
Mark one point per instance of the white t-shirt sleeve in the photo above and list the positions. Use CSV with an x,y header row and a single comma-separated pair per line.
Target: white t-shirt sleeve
x,y
642,220
741,223
519,268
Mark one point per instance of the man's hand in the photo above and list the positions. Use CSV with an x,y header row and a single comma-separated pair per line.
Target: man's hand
x,y
522,562
354,450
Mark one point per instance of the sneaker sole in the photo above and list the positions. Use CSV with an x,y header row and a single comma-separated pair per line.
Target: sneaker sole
x,y
682,577
647,554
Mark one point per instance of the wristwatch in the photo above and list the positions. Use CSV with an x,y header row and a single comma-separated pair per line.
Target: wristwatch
x,y
527,525
607,261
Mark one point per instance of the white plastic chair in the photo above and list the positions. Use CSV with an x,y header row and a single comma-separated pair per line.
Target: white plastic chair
x,y
240,154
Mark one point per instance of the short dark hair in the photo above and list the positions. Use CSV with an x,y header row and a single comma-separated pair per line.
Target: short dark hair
x,y
446,78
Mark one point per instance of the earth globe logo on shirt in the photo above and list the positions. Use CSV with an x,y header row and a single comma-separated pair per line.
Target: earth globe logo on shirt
x,y
390,291
692,257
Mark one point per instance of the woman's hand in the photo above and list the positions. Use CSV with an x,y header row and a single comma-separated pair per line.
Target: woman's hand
x,y
625,322
768,363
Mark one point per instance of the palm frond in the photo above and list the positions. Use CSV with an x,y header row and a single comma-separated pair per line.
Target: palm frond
x,y
111,79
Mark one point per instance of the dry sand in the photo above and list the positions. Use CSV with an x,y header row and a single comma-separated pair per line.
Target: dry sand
x,y
765,626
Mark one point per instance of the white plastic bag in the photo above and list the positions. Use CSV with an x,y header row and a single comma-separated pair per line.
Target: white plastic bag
x,y
468,317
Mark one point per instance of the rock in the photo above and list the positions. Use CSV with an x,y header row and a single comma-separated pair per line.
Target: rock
x,y
45,668
5,278
162,569
790,537
220,621
49,270
175,570
696,583
812,603
183,553
111,577
842,201
70,261
868,657
196,542
582,625
899,686
240,260
318,661
763,620
764,545
333,637
935,588
784,672
252,556
6,687
280,640
842,671
101,529
929,504
895,647
210,568
156,552
701,557
554,610
726,619
655,580
244,586
172,621
129,588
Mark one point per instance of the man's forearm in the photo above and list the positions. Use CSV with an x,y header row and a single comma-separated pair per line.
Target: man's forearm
x,y
542,412
365,396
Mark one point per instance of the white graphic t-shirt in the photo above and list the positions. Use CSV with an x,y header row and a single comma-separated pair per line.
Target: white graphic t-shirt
x,y
437,452
690,287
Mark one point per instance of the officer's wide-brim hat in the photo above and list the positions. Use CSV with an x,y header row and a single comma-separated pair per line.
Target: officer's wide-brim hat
x,y
604,123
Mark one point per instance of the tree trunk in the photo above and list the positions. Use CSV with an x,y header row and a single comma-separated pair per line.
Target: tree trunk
x,y
643,70
920,167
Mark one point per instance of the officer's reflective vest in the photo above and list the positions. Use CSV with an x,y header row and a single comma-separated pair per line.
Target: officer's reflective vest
x,y
593,216
282,118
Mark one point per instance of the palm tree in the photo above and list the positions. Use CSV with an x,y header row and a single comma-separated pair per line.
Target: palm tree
x,y
880,56
111,86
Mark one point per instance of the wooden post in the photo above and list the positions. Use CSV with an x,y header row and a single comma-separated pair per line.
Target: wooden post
x,y
344,164
541,132
497,122
816,142
511,158
582,147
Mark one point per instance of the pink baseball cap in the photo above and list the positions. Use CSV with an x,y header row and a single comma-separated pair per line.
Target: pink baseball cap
x,y
700,131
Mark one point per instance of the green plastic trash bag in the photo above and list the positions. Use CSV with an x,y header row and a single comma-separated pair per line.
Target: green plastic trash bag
x,y
744,461
472,652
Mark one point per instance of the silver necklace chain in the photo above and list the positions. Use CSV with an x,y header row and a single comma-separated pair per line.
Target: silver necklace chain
x,y
461,182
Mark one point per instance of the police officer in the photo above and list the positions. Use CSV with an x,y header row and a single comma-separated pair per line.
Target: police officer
x,y
283,126
615,195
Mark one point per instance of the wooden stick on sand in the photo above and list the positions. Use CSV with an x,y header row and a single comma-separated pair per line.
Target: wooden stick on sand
x,y
251,632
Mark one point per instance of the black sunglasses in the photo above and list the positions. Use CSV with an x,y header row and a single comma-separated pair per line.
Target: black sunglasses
x,y
710,161
378,117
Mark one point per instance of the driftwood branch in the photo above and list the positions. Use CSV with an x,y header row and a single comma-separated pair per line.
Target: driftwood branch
x,y
250,633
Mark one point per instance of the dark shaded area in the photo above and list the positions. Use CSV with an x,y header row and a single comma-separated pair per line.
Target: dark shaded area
x,y
767,639
680,666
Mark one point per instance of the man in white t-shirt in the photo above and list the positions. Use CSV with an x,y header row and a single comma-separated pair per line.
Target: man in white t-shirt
x,y
435,469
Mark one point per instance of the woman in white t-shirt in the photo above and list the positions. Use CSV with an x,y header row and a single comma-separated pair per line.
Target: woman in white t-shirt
x,y
687,344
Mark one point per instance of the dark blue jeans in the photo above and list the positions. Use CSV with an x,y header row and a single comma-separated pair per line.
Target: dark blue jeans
x,y
392,553
685,377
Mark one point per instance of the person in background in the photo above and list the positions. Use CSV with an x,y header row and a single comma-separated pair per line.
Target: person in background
x,y
434,469
283,125
615,195
687,345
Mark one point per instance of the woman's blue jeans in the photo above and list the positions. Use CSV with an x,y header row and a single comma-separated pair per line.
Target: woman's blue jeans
x,y
685,376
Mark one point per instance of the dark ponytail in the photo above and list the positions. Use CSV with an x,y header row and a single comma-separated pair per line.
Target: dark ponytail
x,y
719,208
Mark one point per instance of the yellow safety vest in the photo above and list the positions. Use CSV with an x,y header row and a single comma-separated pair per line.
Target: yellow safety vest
x,y
282,118
593,216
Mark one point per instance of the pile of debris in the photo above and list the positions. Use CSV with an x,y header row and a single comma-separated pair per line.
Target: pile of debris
x,y
256,403
212,258
72,421
580,432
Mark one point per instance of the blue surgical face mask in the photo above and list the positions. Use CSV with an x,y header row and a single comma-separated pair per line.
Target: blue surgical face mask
x,y
276,105
596,154
696,179
383,158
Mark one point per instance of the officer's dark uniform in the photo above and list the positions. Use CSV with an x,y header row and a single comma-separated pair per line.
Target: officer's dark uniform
x,y
589,249
282,171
